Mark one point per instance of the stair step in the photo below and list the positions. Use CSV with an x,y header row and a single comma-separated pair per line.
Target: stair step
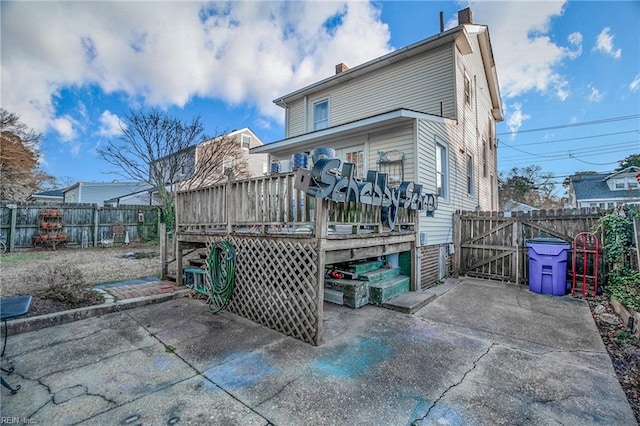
x,y
378,275
355,293
333,296
410,302
362,267
196,262
385,290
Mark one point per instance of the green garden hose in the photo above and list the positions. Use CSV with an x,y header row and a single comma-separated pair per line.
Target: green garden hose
x,y
222,273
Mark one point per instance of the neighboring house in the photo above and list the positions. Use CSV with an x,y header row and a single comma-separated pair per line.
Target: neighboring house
x,y
605,190
53,196
99,192
245,137
431,107
148,197
514,206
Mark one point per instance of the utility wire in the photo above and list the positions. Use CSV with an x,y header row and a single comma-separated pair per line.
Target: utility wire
x,y
585,150
585,123
578,138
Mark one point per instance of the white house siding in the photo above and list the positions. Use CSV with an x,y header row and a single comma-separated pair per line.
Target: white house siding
x,y
420,83
295,119
476,123
400,139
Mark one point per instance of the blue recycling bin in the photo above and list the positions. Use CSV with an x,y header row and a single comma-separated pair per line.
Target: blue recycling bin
x,y
548,265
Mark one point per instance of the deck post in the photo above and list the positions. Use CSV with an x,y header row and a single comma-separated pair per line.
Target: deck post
x,y
163,251
321,226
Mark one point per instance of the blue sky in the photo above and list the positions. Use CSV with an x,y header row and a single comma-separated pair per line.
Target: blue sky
x,y
71,69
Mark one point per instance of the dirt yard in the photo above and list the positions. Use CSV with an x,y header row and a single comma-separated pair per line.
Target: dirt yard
x,y
34,272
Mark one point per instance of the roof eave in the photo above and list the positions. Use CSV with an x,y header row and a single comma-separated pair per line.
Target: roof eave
x,y
343,129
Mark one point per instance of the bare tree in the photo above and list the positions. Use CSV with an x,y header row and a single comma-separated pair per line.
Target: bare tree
x,y
171,154
529,185
19,171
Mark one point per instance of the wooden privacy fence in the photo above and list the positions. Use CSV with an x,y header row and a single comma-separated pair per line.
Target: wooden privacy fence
x,y
493,246
20,223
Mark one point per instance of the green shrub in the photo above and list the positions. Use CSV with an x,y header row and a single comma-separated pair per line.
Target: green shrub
x,y
624,285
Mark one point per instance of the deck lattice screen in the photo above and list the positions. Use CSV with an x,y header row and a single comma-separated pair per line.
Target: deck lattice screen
x,y
277,285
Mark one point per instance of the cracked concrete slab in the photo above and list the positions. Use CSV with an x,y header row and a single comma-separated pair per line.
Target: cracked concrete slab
x,y
481,353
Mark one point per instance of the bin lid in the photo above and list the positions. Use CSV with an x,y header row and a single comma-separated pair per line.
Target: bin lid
x,y
549,240
548,249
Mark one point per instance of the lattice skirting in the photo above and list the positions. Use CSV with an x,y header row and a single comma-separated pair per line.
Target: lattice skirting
x,y
277,285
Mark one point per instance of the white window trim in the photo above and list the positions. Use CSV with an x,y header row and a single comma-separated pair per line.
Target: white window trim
x,y
313,113
342,153
470,176
466,93
242,142
445,173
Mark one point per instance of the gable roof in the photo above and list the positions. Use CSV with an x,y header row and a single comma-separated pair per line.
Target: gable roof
x,y
458,35
594,187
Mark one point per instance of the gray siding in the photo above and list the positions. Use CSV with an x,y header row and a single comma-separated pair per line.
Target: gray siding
x,y
420,83
97,193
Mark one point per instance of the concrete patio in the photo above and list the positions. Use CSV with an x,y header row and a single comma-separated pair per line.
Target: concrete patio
x,y
482,352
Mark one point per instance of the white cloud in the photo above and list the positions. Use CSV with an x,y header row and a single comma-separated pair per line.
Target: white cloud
x,y
164,54
595,95
604,43
65,127
515,117
526,57
109,124
575,39
635,84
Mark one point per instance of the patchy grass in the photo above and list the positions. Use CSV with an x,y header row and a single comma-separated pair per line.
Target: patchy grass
x,y
22,257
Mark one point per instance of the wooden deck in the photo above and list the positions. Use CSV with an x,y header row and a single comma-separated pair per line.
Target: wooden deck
x,y
284,239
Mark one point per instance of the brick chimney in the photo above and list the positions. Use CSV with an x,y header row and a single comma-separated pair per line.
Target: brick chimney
x,y
464,16
341,67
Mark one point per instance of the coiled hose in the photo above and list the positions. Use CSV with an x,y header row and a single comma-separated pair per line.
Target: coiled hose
x,y
222,273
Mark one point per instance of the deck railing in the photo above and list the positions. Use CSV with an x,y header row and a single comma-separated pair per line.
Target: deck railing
x,y
272,205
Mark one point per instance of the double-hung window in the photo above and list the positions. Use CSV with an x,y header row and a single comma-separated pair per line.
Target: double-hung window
x,y
321,114
441,171
245,141
469,175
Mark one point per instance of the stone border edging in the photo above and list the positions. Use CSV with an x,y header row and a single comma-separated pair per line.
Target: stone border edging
x,y
25,325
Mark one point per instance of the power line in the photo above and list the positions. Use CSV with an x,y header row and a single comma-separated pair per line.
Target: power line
x,y
585,123
621,145
578,138
564,158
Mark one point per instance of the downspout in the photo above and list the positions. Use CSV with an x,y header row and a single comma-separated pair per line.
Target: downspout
x,y
475,100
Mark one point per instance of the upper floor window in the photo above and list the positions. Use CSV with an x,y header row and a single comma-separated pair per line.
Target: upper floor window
x,y
245,141
321,114
469,175
441,171
467,89
485,166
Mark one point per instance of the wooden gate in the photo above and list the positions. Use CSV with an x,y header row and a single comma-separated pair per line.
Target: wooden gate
x,y
493,246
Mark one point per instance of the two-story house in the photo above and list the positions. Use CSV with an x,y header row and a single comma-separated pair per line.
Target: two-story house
x,y
182,167
605,190
424,113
